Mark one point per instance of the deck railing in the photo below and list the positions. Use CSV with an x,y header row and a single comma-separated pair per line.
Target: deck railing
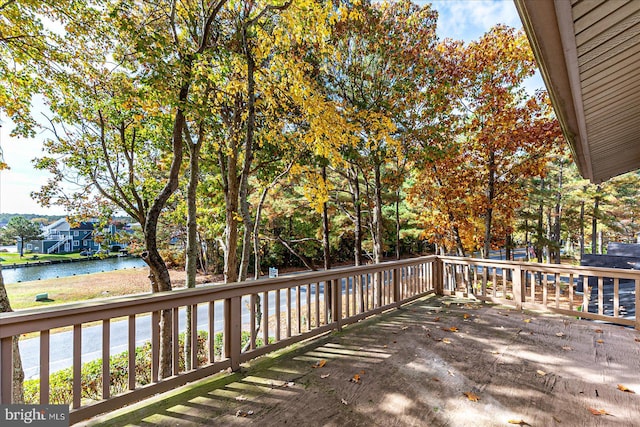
x,y
234,323
231,324
587,292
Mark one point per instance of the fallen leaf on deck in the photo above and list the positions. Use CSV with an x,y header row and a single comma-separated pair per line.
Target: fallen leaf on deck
x,y
241,398
241,413
556,419
323,376
637,339
355,378
453,329
527,320
600,341
404,328
344,402
598,331
446,340
559,334
519,422
598,411
541,373
289,384
319,364
435,379
437,319
362,372
450,373
471,396
567,348
466,316
625,389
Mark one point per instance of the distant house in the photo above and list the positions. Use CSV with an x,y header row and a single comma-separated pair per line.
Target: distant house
x,y
60,237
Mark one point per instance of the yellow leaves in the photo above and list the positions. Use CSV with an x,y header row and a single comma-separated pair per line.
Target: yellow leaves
x,y
466,316
600,341
519,422
541,373
471,396
625,389
355,379
598,411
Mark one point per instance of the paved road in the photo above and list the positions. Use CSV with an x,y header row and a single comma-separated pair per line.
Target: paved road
x,y
61,344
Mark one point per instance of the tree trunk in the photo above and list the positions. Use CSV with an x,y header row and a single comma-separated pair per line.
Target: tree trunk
x,y
357,226
558,211
490,193
158,272
228,160
248,159
377,229
581,228
326,249
539,225
594,222
191,266
17,390
398,223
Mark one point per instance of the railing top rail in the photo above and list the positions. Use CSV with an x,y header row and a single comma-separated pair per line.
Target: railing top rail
x,y
549,268
36,319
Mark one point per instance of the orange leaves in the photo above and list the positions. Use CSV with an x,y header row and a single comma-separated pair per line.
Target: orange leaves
x,y
319,364
471,396
598,411
355,378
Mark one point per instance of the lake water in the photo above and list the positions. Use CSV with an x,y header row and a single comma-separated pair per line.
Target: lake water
x,y
51,271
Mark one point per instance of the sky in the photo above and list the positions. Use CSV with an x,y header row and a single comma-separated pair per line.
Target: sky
x,y
458,19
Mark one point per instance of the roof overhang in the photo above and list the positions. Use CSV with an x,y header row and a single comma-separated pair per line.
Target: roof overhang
x,y
588,53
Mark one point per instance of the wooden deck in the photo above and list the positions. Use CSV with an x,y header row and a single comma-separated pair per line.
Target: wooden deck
x,y
413,366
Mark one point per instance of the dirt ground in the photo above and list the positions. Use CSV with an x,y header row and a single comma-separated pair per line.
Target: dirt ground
x,y
89,286
436,362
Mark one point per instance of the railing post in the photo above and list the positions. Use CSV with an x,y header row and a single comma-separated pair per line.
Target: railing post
x,y
233,331
437,276
336,303
397,271
6,370
518,290
637,283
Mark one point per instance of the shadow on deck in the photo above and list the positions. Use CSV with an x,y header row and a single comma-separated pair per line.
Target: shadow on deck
x,y
413,366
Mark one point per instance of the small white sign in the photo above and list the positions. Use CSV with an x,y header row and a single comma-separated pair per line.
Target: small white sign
x,y
273,272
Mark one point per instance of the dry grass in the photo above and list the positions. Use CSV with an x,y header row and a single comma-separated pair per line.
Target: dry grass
x,y
88,286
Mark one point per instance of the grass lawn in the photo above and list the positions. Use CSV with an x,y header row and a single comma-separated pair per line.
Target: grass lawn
x,y
7,258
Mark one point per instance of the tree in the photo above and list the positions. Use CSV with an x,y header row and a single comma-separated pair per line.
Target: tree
x,y
382,77
23,230
119,129
500,136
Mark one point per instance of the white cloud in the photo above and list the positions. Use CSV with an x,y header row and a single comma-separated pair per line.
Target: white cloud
x,y
469,19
